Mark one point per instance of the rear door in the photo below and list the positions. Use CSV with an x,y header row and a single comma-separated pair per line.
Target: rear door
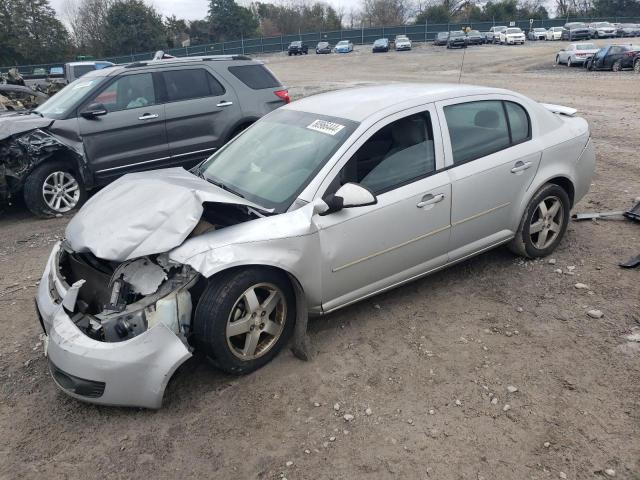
x,y
132,135
201,109
492,158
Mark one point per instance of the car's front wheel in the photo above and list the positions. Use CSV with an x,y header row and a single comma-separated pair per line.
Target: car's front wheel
x,y
543,224
52,189
617,66
636,66
244,318
569,64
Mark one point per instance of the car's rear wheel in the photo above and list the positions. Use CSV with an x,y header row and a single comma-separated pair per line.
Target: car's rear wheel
x,y
53,188
617,66
569,64
543,224
244,318
557,59
636,66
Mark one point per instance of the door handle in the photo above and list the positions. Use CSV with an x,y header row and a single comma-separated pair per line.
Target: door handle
x,y
148,116
224,103
520,166
430,199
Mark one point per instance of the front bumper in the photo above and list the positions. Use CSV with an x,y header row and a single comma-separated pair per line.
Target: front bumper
x,y
133,373
403,47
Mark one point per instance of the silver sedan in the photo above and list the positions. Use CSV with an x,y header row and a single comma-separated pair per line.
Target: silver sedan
x,y
576,53
320,204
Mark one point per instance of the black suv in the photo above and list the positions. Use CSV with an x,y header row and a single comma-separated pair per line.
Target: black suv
x,y
457,39
575,31
297,48
127,118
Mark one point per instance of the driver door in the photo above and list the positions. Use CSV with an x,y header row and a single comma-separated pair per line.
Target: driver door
x,y
131,136
406,233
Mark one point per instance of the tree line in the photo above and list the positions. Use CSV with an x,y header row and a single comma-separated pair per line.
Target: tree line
x,y
31,31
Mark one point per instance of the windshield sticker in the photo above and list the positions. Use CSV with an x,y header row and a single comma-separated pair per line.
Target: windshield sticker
x,y
324,126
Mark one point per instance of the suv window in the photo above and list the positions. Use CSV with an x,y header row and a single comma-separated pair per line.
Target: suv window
x,y
255,77
478,129
127,92
395,155
193,83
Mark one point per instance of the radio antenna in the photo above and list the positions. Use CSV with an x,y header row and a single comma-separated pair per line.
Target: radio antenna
x,y
464,50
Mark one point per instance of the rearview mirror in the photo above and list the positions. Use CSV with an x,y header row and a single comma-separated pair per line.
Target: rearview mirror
x,y
94,110
349,195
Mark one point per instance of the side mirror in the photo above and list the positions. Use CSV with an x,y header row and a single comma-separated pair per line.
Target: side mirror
x,y
348,196
94,110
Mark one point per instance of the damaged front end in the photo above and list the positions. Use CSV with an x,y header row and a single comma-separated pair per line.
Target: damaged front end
x,y
117,331
21,153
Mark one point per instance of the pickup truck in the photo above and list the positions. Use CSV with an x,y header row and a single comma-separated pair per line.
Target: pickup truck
x,y
64,74
493,35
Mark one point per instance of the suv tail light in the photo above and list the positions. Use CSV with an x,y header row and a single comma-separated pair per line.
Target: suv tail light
x,y
283,95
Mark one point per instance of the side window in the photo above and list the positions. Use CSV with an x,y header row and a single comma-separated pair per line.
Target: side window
x,y
187,84
476,129
130,91
395,155
519,122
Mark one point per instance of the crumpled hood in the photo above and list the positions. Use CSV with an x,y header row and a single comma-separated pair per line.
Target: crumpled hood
x,y
17,122
144,213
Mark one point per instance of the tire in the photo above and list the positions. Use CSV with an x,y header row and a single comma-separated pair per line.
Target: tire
x,y
524,243
224,299
617,66
51,176
569,64
636,66
557,59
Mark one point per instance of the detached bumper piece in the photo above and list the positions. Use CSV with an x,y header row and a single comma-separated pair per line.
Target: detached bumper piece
x,y
76,385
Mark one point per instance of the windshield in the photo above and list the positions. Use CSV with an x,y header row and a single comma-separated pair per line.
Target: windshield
x,y
539,30
59,105
296,44
343,42
457,34
603,24
380,41
514,30
586,46
575,25
443,34
323,44
273,160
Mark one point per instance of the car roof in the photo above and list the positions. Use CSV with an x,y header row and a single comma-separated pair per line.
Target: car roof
x,y
90,62
169,62
359,103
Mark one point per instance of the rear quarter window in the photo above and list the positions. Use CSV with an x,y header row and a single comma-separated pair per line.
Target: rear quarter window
x,y
256,77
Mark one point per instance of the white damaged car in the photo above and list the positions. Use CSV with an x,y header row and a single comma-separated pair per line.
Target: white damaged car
x,y
319,204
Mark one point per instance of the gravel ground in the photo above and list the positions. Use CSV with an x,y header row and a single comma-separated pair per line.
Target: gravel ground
x,y
415,383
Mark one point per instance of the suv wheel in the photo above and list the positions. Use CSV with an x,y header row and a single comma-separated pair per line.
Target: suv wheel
x,y
53,188
244,318
543,224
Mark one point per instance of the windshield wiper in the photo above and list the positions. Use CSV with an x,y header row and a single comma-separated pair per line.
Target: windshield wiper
x,y
222,186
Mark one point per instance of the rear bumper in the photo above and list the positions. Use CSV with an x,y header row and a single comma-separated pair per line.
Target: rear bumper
x,y
134,372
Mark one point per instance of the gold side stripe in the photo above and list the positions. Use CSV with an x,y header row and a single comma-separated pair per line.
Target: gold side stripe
x,y
390,249
473,217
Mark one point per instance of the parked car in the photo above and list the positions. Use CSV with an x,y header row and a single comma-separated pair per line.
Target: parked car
x,y
554,33
344,46
512,36
402,42
493,35
576,53
575,31
298,48
323,47
380,45
457,39
602,30
229,260
474,37
628,30
537,34
128,118
613,57
441,38
65,74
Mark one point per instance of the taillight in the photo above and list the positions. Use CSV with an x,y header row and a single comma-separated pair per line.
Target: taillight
x,y
283,95
629,54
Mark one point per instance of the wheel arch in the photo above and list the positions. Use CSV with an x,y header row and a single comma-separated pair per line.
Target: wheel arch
x,y
566,184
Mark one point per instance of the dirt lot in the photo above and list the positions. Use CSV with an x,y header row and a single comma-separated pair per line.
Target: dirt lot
x,y
426,359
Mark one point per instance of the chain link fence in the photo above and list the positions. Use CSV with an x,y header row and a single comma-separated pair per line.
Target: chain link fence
x,y
255,46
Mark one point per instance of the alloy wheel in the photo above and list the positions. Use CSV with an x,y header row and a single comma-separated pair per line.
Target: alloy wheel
x,y
617,66
546,222
256,321
61,192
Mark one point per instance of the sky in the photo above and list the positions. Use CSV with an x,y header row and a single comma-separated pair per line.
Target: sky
x,y
196,9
